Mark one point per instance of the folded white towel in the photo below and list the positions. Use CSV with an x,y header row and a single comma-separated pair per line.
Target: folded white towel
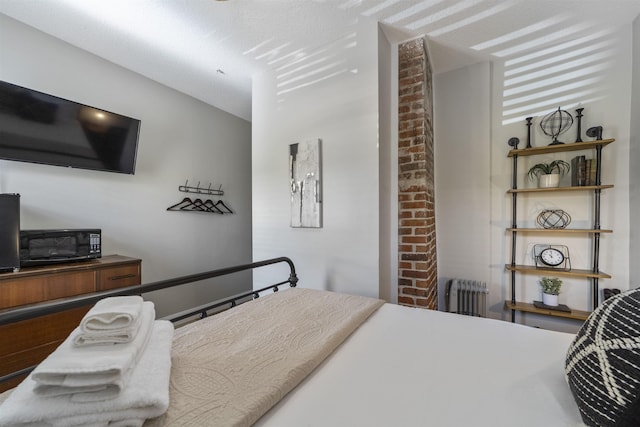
x,y
92,373
112,313
119,336
146,395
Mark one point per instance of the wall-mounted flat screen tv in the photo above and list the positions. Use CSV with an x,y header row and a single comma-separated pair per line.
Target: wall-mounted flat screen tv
x,y
40,128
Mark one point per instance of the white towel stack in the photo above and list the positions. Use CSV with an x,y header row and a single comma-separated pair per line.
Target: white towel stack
x,y
111,370
93,372
111,321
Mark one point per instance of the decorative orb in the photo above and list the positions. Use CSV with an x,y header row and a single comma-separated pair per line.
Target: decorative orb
x,y
553,218
555,124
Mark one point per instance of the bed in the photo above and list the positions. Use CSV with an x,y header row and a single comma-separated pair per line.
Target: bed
x,y
301,357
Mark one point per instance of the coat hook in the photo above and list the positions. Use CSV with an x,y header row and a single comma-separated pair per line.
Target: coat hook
x,y
200,189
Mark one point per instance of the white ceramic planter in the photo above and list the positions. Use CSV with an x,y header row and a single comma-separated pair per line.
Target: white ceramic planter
x,y
550,300
549,181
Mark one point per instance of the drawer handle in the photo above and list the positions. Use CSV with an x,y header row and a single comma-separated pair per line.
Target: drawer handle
x,y
124,276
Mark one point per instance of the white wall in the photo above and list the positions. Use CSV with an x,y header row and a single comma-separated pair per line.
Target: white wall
x,y
342,111
180,138
388,165
607,101
462,170
634,161
473,174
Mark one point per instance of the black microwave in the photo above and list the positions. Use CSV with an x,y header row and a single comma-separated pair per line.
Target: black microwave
x,y
41,247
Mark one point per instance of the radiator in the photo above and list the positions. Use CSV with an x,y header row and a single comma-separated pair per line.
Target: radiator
x,y
468,297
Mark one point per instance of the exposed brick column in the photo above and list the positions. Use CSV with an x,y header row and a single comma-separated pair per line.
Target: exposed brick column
x,y
417,275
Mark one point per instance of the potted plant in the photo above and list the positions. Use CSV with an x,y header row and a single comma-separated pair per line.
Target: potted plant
x,y
548,174
550,290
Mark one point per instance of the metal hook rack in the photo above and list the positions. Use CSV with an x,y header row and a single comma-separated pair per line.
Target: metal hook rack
x,y
186,188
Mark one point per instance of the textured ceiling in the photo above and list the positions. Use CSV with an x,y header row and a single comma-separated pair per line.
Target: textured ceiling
x,y
210,49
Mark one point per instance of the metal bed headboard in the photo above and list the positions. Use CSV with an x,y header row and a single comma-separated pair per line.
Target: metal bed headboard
x,y
28,312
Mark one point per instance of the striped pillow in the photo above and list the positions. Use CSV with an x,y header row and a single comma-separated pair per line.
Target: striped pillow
x,y
603,363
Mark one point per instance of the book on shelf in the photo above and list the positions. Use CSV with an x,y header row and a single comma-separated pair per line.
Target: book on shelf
x,y
591,171
587,171
578,171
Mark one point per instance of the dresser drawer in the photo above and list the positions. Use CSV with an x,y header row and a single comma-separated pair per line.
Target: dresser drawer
x,y
118,277
29,342
26,343
27,290
22,336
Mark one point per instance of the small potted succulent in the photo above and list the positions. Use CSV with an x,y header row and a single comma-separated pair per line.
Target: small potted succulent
x,y
548,174
550,290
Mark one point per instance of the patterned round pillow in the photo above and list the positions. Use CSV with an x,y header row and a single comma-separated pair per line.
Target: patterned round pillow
x,y
603,363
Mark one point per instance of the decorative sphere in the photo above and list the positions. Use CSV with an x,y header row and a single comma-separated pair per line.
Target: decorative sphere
x,y
555,124
553,218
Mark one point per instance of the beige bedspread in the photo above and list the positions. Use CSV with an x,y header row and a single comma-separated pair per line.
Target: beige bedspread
x,y
230,369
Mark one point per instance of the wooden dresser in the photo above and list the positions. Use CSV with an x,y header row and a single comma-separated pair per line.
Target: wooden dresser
x,y
27,343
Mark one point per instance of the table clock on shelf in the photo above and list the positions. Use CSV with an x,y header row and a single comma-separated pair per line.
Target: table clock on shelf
x,y
552,256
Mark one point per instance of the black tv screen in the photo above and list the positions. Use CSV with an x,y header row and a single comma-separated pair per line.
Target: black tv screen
x,y
40,128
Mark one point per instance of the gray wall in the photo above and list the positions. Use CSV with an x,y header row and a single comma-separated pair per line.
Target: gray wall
x,y
388,161
180,138
634,161
462,170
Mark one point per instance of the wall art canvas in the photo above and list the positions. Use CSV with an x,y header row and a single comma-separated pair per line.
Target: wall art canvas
x,y
306,184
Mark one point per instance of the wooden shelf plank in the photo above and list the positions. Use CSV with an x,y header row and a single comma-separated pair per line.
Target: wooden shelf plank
x,y
559,230
530,308
573,146
532,269
552,189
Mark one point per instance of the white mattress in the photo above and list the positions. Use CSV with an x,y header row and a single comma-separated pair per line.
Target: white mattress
x,y
413,367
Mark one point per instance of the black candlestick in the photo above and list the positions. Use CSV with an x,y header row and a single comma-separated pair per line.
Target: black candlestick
x,y
529,132
579,111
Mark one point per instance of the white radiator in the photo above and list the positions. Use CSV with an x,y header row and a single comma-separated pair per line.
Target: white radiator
x,y
468,297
